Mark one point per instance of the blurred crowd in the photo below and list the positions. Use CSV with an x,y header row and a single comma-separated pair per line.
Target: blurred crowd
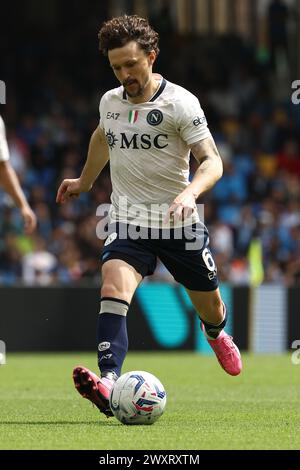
x,y
52,109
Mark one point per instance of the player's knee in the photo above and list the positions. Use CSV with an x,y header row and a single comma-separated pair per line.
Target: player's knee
x,y
111,290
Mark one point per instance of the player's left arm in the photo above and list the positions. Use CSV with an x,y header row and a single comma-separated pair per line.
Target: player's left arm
x,y
210,170
210,166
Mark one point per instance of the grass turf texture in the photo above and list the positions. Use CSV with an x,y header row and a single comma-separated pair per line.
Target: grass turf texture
x,y
206,408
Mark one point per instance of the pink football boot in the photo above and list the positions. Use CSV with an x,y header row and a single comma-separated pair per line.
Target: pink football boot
x,y
227,353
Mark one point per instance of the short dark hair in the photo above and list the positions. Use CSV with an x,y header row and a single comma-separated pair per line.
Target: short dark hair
x,y
118,32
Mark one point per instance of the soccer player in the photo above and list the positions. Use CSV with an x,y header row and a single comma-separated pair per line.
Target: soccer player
x,y
10,183
148,127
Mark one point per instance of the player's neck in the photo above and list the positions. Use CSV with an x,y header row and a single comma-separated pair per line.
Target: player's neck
x,y
149,91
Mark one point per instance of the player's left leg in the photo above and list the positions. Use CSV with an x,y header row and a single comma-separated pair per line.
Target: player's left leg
x,y
212,312
190,261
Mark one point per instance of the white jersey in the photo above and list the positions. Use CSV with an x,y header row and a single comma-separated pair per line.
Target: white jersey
x,y
149,146
4,154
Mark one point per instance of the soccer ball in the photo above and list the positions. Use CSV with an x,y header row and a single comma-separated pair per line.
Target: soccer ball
x,y
138,397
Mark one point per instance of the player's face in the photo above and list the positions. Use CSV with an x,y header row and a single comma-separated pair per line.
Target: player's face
x,y
132,66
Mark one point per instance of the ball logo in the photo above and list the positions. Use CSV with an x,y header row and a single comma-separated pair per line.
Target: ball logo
x,y
110,238
155,117
138,397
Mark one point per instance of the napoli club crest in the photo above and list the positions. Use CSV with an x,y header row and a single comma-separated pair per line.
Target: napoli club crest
x,y
155,117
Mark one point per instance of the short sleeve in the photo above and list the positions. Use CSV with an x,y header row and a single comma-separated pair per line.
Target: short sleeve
x,y
4,153
101,113
191,121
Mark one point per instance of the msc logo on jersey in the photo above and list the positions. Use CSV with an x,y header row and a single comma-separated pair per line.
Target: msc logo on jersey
x,y
136,141
144,141
155,117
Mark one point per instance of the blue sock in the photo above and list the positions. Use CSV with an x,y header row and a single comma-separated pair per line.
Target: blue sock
x,y
112,335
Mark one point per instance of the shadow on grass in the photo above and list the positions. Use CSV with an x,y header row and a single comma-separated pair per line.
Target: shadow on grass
x,y
58,423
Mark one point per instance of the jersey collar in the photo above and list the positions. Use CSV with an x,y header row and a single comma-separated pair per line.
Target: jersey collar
x,y
155,96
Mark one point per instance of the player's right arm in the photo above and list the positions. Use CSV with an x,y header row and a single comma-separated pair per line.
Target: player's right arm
x,y
9,181
98,156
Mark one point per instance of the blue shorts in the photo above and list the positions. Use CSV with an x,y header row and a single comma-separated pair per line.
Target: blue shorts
x,y
184,252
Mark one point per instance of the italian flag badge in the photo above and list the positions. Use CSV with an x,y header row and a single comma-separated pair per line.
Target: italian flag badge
x,y
133,116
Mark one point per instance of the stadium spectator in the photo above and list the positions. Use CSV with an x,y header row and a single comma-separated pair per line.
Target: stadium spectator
x,y
10,182
39,265
277,28
48,129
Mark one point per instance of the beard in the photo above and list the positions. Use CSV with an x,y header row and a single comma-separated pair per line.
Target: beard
x,y
134,94
139,91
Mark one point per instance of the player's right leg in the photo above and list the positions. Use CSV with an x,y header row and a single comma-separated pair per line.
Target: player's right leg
x,y
120,281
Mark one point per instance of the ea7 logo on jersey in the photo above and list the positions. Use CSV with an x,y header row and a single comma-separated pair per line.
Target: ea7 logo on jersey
x,y
198,121
155,117
114,116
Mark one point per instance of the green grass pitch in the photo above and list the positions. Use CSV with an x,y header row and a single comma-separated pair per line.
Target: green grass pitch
x,y
206,408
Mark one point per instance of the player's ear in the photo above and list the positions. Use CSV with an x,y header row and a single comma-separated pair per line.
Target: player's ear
x,y
151,57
